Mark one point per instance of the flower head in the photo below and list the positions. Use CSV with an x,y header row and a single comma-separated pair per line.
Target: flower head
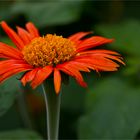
x,y
39,57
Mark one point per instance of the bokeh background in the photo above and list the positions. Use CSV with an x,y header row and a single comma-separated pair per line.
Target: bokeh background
x,y
110,107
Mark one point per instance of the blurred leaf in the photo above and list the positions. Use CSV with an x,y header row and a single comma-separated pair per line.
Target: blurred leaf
x,y
112,111
20,135
5,10
73,97
8,91
126,35
49,13
7,41
133,65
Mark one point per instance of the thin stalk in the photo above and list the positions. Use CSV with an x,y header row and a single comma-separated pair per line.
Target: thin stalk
x,y
52,102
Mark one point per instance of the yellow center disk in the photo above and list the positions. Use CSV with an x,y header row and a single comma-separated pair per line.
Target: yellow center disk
x,y
49,50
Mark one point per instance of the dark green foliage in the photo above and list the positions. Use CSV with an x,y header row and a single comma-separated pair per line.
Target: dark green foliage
x,y
112,111
19,135
8,92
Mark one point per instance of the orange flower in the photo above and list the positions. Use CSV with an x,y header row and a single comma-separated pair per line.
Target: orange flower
x,y
40,56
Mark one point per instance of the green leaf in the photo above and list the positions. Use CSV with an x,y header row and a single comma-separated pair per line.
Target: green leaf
x,y
5,10
49,13
112,111
8,91
20,135
126,35
133,65
6,40
73,97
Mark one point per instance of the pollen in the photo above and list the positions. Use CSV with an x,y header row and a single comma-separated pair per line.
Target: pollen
x,y
49,50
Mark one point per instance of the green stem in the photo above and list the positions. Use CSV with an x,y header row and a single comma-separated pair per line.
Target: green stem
x,y
52,101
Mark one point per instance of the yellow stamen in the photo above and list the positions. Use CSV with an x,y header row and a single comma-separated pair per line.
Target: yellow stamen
x,y
48,50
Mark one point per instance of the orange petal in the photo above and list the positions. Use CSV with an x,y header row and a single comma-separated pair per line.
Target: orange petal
x,y
32,29
57,80
117,58
97,60
102,64
7,51
24,35
78,66
99,51
11,67
72,72
11,62
8,68
13,35
92,42
29,76
11,73
102,53
41,75
76,37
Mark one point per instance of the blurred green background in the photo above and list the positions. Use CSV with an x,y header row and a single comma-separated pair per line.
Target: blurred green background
x,y
110,107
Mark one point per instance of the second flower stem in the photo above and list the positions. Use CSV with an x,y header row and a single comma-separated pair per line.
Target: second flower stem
x,y
52,101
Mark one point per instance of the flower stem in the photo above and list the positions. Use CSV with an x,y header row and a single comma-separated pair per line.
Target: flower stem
x,y
52,101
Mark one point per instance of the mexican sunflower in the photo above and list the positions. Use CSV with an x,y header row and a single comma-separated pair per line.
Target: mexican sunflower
x,y
40,56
